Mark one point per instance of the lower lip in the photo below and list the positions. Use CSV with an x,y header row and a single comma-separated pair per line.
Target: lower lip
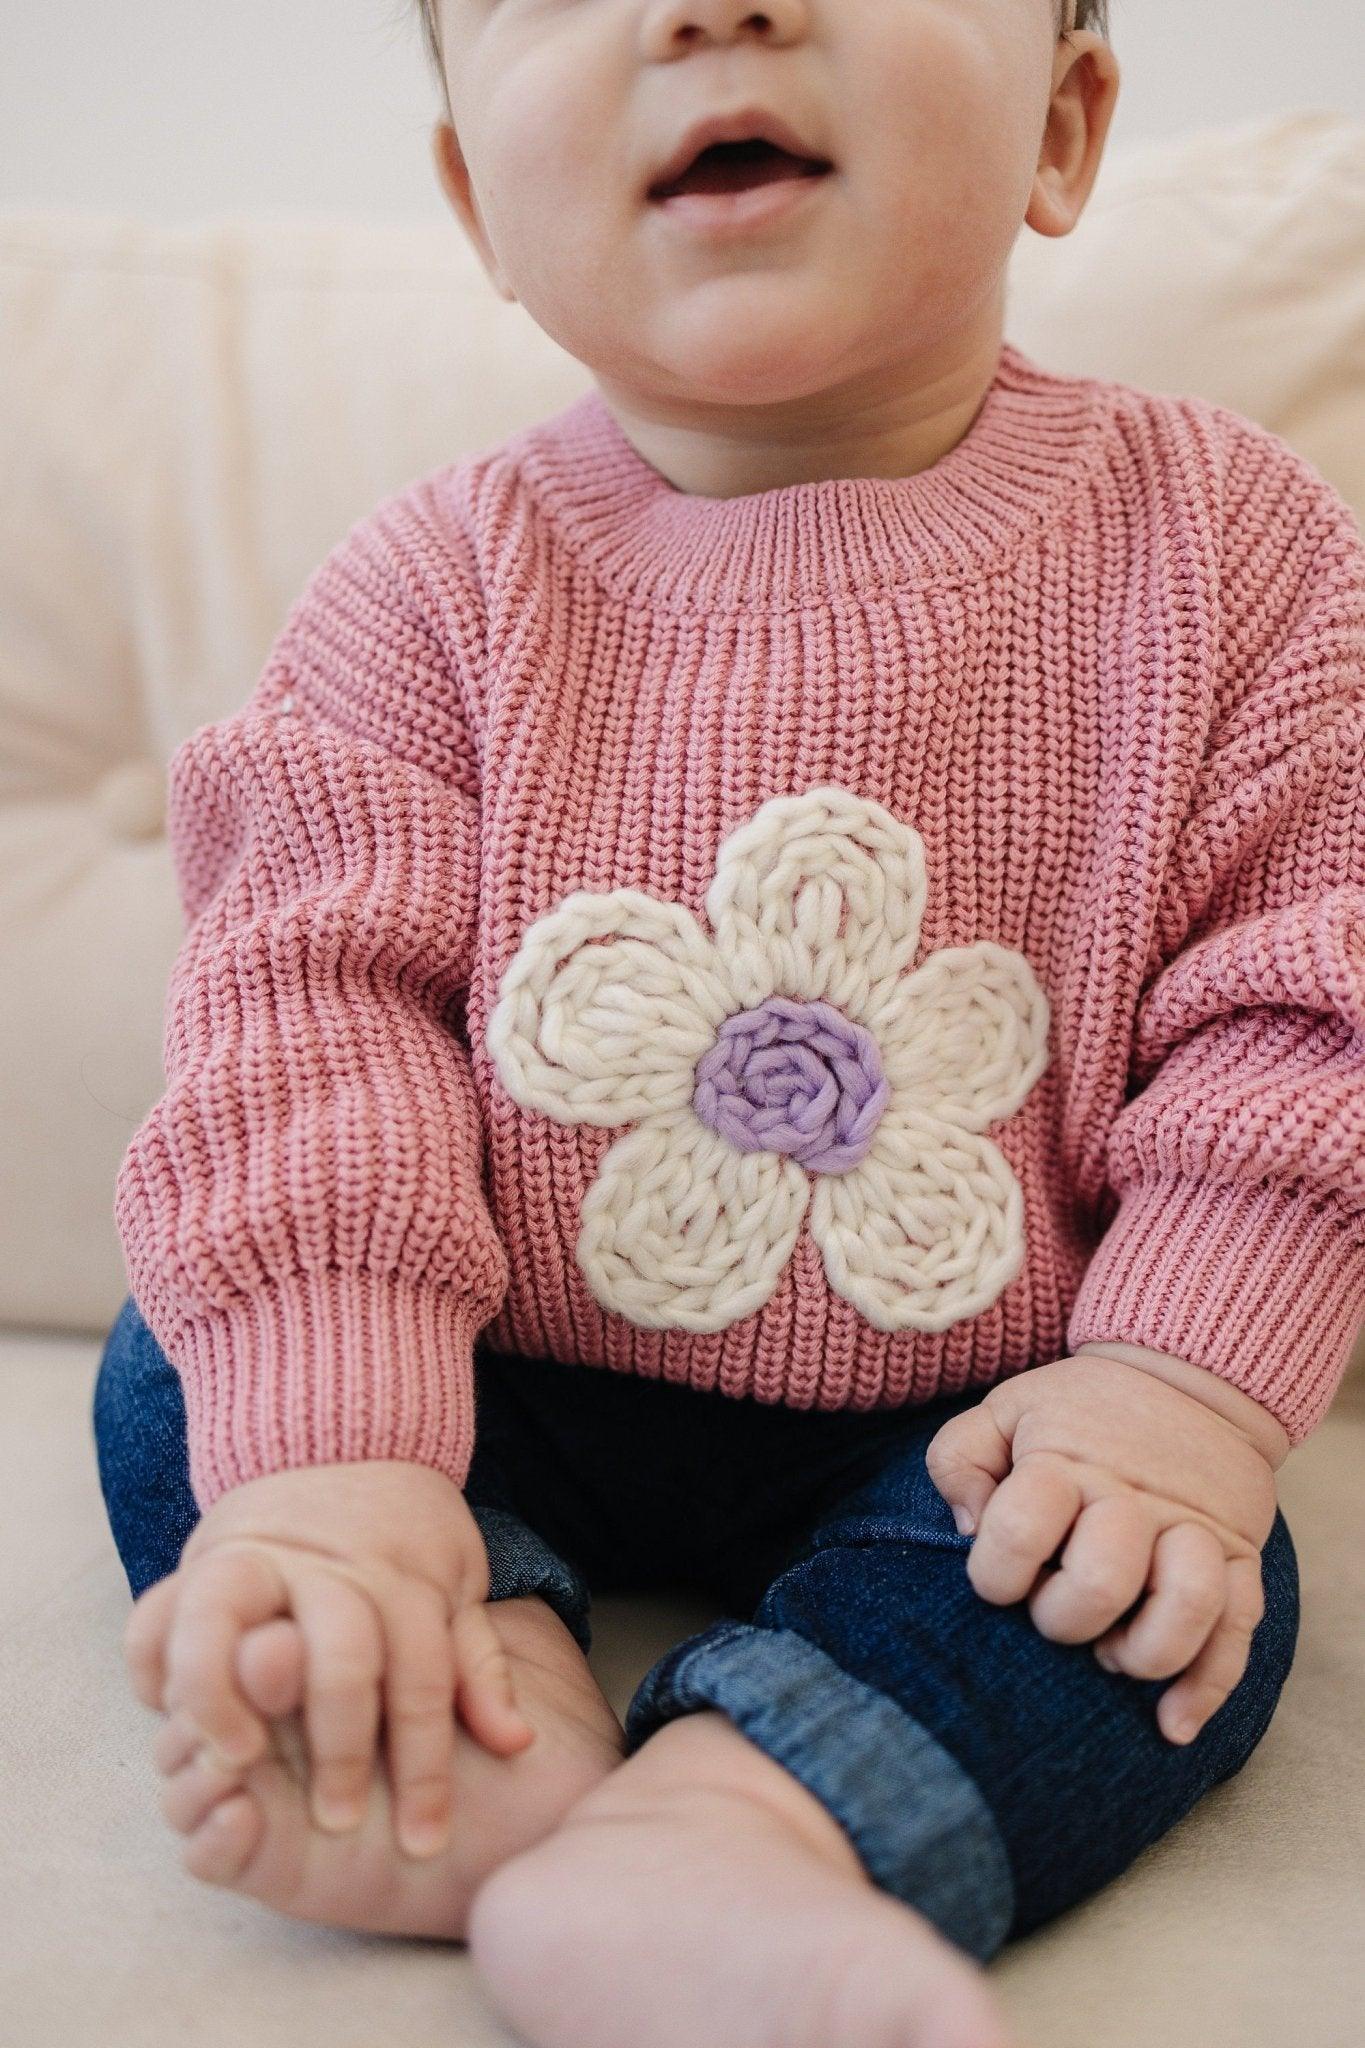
x,y
721,215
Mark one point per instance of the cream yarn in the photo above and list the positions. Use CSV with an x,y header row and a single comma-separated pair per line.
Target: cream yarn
x,y
795,1033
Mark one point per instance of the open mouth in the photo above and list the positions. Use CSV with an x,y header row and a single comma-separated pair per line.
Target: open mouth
x,y
740,167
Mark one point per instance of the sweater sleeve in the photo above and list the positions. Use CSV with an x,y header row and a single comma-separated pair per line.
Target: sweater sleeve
x,y
302,1212
1238,1160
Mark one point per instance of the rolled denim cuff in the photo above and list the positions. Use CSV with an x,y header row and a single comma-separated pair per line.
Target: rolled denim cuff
x,y
915,1817
521,1562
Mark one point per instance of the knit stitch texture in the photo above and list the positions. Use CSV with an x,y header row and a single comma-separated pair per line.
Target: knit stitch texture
x,y
834,946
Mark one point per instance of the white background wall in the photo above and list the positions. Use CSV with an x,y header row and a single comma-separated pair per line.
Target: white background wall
x,y
183,107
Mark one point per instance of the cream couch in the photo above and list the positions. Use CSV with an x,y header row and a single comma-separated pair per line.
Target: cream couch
x,y
189,419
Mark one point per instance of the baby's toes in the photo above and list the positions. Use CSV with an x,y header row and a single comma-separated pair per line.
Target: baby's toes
x,y
220,1851
176,1741
272,1667
190,1793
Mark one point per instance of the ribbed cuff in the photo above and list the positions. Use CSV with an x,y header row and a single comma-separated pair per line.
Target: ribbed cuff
x,y
1263,1288
328,1368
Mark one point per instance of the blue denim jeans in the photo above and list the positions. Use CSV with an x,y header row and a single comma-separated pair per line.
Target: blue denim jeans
x,y
986,1776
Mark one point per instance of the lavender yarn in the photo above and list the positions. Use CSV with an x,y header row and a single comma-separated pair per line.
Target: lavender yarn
x,y
794,1077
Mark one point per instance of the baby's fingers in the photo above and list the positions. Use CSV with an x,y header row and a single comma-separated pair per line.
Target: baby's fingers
x,y
1198,1693
419,1709
966,1460
1023,1523
486,1695
1104,1568
1189,1592
222,1594
345,1642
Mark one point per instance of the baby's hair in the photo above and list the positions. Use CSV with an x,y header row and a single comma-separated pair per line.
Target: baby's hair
x,y
1088,14
432,38
1091,14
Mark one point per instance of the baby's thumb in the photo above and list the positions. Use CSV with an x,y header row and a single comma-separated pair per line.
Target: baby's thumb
x,y
967,1461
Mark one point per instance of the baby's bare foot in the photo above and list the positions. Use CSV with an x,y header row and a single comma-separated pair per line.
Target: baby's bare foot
x,y
690,1898
251,1831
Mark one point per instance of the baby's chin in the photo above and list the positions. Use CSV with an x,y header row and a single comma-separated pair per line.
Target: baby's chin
x,y
740,343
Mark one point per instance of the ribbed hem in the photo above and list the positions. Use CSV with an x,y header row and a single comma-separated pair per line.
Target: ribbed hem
x,y
328,1368
1265,1289
1035,435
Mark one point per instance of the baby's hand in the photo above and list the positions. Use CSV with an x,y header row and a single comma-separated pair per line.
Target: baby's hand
x,y
384,1570
1144,1490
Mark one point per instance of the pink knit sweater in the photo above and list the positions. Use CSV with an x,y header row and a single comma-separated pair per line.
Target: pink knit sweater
x,y
832,946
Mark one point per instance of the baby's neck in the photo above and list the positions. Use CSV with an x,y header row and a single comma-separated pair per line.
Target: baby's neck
x,y
904,423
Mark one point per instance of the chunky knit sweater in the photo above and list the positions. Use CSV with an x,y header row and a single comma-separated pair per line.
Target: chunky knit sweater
x,y
833,946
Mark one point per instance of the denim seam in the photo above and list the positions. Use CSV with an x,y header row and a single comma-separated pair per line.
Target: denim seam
x,y
946,1859
833,1536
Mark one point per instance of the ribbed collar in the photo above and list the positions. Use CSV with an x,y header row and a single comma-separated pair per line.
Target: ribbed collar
x,y
1035,434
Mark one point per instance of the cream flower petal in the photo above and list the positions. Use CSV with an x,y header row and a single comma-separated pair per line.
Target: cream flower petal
x,y
927,1230
819,896
966,1034
606,1033
680,1231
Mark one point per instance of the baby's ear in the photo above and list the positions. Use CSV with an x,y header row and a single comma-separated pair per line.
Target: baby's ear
x,y
452,173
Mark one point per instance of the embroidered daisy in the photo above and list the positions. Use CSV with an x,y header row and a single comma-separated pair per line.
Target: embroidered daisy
x,y
788,1062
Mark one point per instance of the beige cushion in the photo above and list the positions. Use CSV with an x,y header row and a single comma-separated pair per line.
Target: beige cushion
x,y
1232,265
188,420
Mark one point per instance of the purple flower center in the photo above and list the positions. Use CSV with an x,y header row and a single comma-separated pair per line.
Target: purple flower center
x,y
800,1078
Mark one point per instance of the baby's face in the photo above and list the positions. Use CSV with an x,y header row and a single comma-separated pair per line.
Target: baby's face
x,y
931,112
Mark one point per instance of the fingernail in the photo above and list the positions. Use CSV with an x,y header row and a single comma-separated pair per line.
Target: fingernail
x,y
337,1816
1104,1658
965,1519
422,1837
1182,1729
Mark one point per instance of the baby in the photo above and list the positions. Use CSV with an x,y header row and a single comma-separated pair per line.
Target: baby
x,y
772,998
